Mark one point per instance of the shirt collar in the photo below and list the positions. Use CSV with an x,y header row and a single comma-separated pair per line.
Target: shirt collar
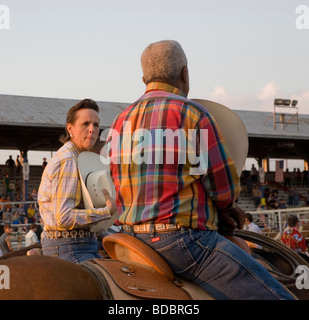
x,y
156,86
71,146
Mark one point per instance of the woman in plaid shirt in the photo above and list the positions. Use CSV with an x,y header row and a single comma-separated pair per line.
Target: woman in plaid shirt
x,y
66,222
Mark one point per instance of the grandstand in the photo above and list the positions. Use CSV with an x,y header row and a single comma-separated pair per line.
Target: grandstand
x,y
35,123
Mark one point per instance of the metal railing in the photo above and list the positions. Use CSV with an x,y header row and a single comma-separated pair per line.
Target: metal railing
x,y
277,218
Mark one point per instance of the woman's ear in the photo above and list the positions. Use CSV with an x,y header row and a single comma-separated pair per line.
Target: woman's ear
x,y
69,128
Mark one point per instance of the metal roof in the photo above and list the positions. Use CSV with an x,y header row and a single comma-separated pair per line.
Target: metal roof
x,y
260,125
51,112
48,112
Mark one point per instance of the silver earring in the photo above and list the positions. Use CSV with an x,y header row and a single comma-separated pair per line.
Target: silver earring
x,y
71,135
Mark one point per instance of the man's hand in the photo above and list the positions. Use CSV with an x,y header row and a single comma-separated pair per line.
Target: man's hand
x,y
232,218
111,203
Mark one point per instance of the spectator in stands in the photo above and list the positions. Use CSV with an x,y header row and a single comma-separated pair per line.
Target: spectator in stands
x,y
307,198
15,218
18,166
251,226
26,228
31,213
292,238
34,195
5,240
282,204
1,206
291,198
7,215
44,164
10,165
296,197
305,177
31,236
254,174
257,195
9,186
21,212
287,178
9,205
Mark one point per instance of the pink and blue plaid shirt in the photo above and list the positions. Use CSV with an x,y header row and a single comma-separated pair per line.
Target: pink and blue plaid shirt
x,y
60,196
167,191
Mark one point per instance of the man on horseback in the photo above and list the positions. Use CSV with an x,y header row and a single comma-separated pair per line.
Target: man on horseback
x,y
166,202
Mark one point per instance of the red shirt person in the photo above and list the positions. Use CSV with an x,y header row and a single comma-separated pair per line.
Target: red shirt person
x,y
292,238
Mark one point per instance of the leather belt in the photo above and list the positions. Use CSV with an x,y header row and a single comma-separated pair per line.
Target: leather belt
x,y
146,228
75,233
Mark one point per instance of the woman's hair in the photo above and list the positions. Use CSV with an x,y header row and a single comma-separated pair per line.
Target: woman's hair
x,y
163,61
71,115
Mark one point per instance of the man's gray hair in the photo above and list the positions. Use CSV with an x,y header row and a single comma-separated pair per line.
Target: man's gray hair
x,y
163,61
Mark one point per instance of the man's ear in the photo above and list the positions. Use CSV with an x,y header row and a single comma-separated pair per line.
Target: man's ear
x,y
144,80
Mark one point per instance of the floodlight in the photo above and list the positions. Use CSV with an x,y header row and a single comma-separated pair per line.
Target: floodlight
x,y
278,102
286,102
294,103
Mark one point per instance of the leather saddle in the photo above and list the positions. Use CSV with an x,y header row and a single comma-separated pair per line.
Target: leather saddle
x,y
136,271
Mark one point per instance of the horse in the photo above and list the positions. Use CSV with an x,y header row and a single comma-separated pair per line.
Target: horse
x,y
38,277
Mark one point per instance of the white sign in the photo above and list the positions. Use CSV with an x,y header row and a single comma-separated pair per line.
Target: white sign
x,y
26,170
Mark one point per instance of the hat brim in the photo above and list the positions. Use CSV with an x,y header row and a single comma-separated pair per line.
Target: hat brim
x,y
90,162
233,130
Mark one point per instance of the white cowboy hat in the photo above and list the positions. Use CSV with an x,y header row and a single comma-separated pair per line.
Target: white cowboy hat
x,y
95,176
232,129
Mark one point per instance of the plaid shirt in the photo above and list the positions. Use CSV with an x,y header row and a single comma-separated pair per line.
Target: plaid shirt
x,y
168,192
60,197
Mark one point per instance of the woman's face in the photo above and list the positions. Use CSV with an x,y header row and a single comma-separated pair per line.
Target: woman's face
x,y
85,130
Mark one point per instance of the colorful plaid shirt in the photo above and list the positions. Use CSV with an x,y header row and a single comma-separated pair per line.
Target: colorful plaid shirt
x,y
60,197
154,188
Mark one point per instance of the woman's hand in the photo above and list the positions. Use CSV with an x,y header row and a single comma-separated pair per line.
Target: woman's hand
x,y
111,203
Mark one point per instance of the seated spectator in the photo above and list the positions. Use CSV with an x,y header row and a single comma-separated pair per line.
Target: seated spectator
x,y
31,237
251,226
292,238
15,218
31,213
282,204
21,212
7,215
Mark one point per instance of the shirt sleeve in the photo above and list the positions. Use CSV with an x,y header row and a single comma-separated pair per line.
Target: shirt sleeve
x,y
221,180
66,197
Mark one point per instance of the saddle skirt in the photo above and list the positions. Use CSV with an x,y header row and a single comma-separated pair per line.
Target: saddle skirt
x,y
137,271
123,281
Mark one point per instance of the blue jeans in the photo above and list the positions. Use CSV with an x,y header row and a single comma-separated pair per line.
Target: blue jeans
x,y
74,250
216,264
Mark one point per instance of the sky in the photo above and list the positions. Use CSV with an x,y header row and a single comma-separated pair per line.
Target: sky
x,y
241,53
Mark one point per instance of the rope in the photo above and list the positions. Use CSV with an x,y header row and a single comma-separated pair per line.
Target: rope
x,y
293,258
